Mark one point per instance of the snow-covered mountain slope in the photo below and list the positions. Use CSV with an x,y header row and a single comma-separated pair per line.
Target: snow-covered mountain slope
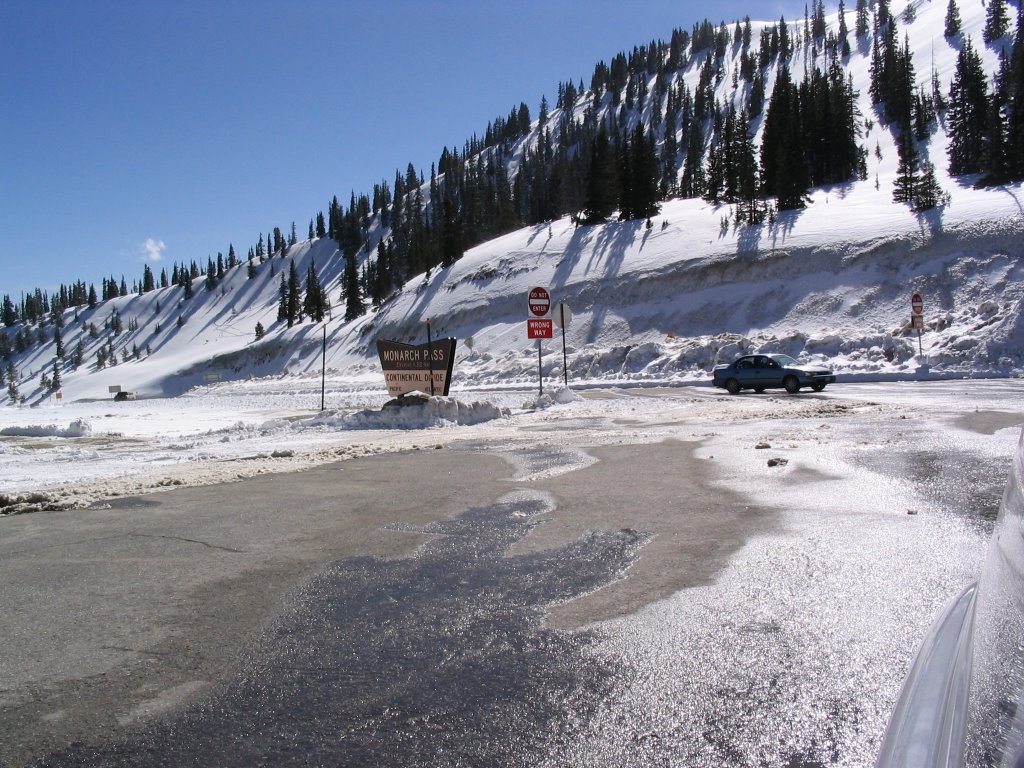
x,y
664,302
671,301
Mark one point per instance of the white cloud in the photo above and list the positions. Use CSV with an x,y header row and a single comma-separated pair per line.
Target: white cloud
x,y
153,250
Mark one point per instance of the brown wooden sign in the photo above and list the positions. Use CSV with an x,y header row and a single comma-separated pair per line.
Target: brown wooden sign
x,y
408,368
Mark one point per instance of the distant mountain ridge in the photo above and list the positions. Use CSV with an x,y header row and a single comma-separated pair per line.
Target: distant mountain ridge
x,y
662,294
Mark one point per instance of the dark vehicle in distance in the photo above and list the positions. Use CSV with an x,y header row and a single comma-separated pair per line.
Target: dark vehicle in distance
x,y
761,372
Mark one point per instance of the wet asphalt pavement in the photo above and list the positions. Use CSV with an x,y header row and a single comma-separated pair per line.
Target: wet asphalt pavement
x,y
745,615
438,659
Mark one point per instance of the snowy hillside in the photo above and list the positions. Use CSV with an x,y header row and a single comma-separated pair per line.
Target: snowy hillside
x,y
663,302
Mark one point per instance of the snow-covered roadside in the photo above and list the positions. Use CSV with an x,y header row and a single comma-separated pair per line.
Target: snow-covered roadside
x,y
71,455
75,454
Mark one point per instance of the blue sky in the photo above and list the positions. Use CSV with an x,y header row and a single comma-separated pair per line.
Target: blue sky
x,y
134,131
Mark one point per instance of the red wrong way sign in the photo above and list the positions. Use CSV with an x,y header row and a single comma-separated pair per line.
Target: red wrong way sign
x,y
916,304
539,303
540,328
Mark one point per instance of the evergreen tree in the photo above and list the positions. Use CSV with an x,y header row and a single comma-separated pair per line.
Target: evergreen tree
x,y
58,343
928,194
861,24
747,195
967,118
1014,85
282,301
669,153
315,302
997,22
828,112
294,304
785,46
692,181
382,282
55,382
714,172
818,26
12,383
639,196
451,229
260,332
924,115
353,296
8,312
784,170
906,185
952,19
998,164
843,36
601,181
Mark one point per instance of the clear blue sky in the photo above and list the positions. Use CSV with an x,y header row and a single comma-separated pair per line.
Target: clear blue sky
x,y
190,125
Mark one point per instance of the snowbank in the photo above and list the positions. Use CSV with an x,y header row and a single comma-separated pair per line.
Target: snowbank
x,y
77,428
432,412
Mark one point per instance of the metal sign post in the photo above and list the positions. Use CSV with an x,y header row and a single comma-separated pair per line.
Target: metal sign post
x,y
562,320
323,369
430,357
917,318
540,369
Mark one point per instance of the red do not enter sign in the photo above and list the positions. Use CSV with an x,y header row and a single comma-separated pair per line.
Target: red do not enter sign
x,y
539,302
917,304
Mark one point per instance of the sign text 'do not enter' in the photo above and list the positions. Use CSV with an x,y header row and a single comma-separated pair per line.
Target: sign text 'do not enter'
x,y
917,304
539,302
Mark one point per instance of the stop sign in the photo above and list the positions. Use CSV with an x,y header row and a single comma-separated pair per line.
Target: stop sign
x,y
917,304
539,302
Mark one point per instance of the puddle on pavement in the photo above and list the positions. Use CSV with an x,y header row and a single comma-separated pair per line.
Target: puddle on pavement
x,y
957,481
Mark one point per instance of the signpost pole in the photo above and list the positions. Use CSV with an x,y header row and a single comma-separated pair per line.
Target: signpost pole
x,y
565,359
323,369
540,369
917,318
430,357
